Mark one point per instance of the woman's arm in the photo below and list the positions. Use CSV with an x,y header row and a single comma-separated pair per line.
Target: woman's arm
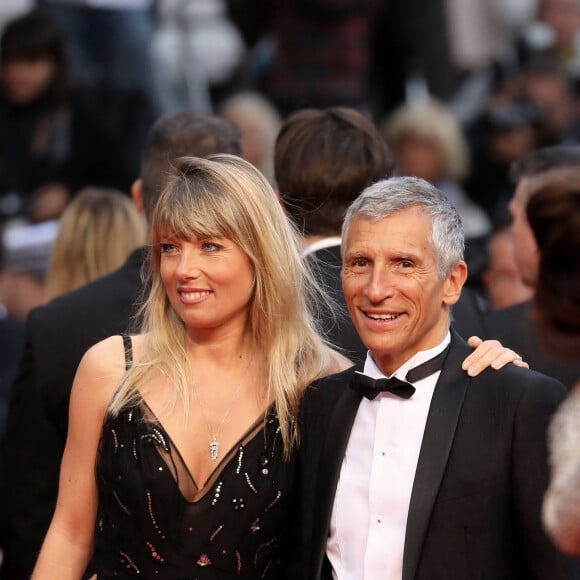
x,y
68,545
489,353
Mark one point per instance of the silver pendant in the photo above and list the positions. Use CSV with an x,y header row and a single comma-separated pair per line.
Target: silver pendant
x,y
214,448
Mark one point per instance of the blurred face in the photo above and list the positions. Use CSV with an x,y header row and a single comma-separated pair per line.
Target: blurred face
x,y
563,16
24,80
209,283
502,278
419,157
395,297
525,247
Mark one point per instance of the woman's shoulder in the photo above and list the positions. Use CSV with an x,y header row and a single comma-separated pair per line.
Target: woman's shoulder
x,y
103,366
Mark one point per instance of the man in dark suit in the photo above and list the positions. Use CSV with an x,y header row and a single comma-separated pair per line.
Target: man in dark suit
x,y
323,159
428,474
543,168
60,332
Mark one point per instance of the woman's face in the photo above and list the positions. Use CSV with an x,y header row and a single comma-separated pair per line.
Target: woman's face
x,y
24,80
209,283
420,157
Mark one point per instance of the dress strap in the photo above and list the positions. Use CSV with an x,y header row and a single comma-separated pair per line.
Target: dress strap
x,y
128,345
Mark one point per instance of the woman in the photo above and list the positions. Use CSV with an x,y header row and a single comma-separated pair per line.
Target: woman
x,y
97,232
194,442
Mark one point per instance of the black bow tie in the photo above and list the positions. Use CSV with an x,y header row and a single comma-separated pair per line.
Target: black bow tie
x,y
370,387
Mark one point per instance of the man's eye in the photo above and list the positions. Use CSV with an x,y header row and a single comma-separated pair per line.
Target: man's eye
x,y
359,262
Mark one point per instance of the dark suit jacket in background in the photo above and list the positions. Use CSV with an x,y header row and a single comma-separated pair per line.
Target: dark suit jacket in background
x,y
480,479
58,334
326,265
515,328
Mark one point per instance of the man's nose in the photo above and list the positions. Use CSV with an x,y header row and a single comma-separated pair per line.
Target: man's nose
x,y
380,284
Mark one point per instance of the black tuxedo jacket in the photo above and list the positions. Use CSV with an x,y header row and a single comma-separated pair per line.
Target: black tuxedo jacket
x,y
514,327
326,265
57,335
479,483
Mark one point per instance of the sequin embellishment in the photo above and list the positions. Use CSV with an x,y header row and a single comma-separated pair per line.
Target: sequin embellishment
x,y
218,491
216,532
154,552
151,515
204,560
249,482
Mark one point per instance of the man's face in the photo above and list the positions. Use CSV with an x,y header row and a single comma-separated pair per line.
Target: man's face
x,y
525,247
395,297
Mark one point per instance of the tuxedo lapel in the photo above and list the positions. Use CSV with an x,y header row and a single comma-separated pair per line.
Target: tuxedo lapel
x,y
331,456
437,441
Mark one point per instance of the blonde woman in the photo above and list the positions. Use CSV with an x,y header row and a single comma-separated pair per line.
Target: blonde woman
x,y
192,423
428,142
97,232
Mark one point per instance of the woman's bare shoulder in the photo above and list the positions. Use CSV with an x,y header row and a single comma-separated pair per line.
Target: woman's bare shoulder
x,y
101,369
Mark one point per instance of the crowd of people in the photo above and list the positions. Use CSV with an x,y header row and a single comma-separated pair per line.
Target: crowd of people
x,y
271,279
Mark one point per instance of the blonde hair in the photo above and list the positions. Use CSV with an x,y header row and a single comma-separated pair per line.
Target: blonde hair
x,y
97,232
225,196
434,121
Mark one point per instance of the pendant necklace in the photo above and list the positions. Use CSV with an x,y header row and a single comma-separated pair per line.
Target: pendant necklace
x,y
214,444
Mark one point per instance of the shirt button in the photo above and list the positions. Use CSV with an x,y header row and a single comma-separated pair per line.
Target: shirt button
x,y
383,453
379,521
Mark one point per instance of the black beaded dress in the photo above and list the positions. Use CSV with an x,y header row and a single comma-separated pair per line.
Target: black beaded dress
x,y
154,522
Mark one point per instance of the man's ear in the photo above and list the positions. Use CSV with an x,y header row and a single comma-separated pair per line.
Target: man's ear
x,y
137,194
454,283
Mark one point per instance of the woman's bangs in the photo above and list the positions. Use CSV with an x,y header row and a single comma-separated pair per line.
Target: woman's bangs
x,y
199,216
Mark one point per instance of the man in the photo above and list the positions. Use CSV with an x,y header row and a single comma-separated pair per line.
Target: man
x,y
60,332
542,168
323,159
442,477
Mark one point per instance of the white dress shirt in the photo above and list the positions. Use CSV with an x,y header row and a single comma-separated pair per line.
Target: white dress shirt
x,y
369,518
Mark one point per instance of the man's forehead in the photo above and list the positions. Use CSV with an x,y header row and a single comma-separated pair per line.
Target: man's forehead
x,y
402,229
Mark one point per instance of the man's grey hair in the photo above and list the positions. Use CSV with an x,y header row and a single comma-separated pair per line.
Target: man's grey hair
x,y
395,194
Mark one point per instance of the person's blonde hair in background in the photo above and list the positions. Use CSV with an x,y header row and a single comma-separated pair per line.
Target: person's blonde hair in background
x,y
97,232
259,122
432,122
427,141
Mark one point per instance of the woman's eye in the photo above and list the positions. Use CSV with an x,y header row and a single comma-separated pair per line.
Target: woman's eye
x,y
166,248
210,246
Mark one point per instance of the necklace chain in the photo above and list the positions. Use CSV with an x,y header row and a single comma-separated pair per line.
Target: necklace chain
x,y
214,444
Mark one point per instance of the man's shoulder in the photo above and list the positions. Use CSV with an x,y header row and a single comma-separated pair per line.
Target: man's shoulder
x,y
114,288
516,385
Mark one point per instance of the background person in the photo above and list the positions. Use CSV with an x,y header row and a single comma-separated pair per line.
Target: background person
x,y
548,166
97,232
554,217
